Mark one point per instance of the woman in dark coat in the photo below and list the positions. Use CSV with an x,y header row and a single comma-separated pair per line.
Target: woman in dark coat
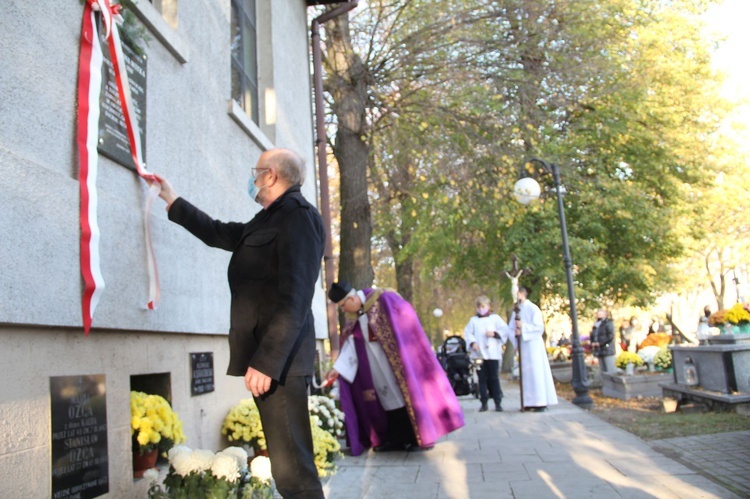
x,y
603,341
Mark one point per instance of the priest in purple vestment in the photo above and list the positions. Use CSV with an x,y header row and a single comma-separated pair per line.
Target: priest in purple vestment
x,y
394,393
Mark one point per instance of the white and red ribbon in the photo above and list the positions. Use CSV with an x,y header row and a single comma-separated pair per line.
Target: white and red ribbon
x,y
89,85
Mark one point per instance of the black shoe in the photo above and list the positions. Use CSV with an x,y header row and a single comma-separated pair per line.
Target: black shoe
x,y
416,448
483,408
388,447
536,409
498,408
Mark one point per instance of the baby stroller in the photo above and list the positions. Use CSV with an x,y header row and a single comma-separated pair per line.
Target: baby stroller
x,y
458,366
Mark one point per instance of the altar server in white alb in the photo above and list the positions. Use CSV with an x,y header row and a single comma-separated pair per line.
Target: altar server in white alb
x,y
486,333
538,386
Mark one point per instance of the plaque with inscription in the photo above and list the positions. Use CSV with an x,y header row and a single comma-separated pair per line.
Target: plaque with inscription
x,y
202,373
80,463
113,134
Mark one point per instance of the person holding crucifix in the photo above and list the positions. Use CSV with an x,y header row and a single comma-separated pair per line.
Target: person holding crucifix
x,y
537,385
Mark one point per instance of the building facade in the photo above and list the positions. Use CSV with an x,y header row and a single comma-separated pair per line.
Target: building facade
x,y
224,80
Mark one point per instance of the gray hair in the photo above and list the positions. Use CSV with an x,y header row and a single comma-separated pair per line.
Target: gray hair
x,y
482,300
289,165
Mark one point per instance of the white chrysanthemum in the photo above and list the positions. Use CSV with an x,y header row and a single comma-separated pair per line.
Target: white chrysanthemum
x,y
648,353
177,449
225,466
201,459
151,475
239,454
260,468
182,463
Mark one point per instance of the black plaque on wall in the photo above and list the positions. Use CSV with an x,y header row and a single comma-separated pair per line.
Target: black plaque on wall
x,y
113,135
202,373
80,463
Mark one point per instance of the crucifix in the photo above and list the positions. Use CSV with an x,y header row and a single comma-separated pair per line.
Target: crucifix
x,y
514,274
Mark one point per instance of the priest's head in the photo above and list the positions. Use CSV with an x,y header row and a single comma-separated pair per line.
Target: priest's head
x,y
523,293
344,296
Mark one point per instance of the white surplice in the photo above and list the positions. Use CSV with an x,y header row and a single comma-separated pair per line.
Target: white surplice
x,y
538,385
476,332
383,379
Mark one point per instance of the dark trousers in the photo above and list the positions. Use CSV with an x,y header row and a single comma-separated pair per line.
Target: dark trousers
x,y
286,424
489,381
400,430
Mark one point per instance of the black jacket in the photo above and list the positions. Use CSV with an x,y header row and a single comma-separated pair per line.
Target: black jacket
x,y
605,336
272,274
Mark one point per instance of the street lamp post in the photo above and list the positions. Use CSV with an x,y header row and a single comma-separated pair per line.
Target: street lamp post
x,y
526,190
438,313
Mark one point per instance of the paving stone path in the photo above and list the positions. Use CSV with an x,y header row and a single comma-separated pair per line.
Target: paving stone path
x,y
565,452
723,457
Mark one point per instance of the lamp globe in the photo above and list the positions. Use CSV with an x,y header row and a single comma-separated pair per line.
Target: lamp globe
x,y
526,190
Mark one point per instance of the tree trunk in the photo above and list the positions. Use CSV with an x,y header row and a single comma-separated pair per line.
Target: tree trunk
x,y
346,81
720,290
404,278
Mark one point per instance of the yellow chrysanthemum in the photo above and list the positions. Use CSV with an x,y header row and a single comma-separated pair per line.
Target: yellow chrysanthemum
x,y
242,423
737,314
325,447
625,358
143,438
154,421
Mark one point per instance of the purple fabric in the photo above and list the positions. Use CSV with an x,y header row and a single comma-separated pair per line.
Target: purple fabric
x,y
365,419
431,403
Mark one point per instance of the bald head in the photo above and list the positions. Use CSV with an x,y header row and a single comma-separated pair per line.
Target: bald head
x,y
289,166
277,171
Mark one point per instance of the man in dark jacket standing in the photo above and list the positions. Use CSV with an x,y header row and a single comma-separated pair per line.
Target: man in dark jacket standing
x,y
275,265
603,341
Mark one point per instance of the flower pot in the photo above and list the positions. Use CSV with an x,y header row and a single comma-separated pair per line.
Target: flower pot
x,y
143,462
630,369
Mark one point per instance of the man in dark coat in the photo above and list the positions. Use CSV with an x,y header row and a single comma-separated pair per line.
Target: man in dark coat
x,y
275,265
603,341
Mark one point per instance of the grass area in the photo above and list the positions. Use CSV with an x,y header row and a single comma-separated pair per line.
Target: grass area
x,y
644,417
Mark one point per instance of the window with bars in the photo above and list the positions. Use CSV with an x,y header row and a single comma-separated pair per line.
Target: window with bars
x,y
245,56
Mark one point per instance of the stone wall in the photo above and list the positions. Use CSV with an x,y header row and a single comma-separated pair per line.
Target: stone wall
x,y
197,138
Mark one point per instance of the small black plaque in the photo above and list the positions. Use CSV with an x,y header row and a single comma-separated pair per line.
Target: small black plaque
x,y
113,134
80,463
202,370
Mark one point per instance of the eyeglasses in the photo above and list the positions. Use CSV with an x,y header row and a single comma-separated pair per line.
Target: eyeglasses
x,y
256,171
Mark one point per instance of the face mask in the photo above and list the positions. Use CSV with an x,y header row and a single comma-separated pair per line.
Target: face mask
x,y
252,189
482,311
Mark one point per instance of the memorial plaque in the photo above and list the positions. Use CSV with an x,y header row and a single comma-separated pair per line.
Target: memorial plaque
x,y
202,369
113,135
80,463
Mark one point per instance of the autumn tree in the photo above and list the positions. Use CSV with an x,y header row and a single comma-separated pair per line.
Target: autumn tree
x,y
629,127
438,104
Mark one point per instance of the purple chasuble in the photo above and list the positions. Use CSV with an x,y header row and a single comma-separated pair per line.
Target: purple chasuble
x,y
430,401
